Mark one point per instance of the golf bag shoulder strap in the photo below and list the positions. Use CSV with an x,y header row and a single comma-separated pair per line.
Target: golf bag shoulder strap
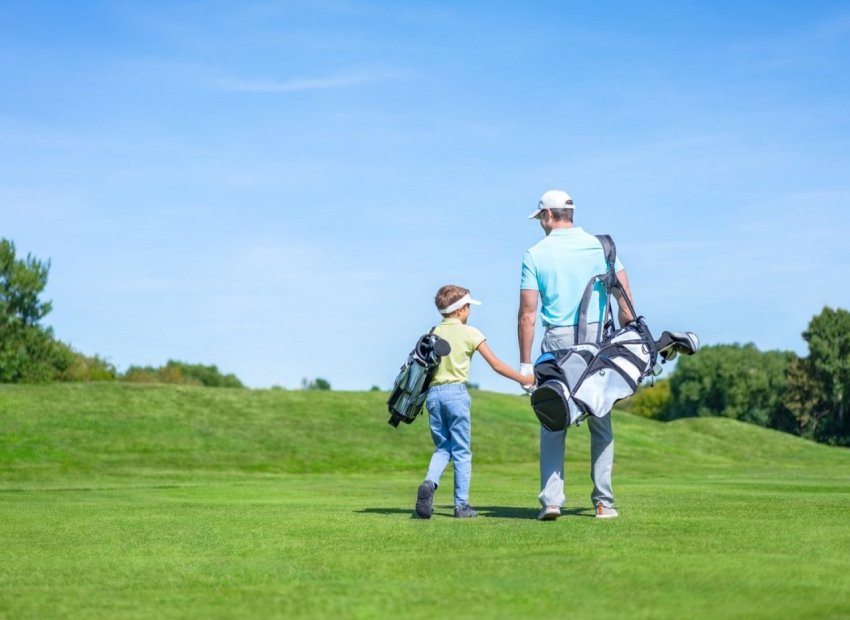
x,y
612,282
609,248
609,281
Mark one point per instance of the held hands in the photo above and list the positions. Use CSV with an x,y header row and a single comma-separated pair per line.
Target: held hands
x,y
526,369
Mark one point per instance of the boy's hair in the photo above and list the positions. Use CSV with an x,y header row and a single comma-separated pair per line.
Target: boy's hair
x,y
447,295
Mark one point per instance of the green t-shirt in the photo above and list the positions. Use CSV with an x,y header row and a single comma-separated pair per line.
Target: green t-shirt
x,y
464,340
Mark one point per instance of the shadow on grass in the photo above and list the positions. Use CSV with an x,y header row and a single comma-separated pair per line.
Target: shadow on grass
x,y
439,511
490,512
524,512
385,511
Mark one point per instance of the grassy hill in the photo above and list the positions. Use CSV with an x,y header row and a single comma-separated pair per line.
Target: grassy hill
x,y
138,501
67,429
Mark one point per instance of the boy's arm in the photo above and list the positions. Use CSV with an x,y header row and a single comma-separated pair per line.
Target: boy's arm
x,y
500,367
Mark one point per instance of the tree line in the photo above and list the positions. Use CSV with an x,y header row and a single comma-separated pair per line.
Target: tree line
x,y
807,396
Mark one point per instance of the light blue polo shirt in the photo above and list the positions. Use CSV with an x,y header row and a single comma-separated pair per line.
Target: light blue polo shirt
x,y
559,267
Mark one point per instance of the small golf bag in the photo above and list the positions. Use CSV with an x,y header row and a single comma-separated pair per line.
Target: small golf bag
x,y
589,378
414,378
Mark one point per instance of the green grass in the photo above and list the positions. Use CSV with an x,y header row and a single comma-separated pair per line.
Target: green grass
x,y
124,501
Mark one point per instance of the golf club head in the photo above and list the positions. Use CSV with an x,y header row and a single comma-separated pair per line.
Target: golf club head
x,y
672,343
668,355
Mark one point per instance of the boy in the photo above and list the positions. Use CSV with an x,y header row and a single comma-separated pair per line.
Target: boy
x,y
448,402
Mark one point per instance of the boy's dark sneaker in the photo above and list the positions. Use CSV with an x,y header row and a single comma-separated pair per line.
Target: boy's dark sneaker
x,y
465,511
425,499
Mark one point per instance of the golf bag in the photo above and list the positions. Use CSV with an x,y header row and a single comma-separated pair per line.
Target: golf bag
x,y
589,378
414,378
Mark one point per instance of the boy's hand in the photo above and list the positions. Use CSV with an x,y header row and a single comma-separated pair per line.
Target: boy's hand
x,y
526,369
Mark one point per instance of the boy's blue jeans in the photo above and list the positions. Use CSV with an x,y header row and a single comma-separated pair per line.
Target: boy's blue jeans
x,y
448,412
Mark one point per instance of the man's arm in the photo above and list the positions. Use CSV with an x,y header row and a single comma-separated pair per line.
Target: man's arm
x,y
526,320
624,315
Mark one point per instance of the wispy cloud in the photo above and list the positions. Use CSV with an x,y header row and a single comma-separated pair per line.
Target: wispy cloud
x,y
299,84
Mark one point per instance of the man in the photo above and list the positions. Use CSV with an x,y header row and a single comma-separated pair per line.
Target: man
x,y
555,272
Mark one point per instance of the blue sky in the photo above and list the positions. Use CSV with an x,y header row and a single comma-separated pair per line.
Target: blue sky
x,y
264,185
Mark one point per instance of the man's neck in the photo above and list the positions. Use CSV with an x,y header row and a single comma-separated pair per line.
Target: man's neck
x,y
559,226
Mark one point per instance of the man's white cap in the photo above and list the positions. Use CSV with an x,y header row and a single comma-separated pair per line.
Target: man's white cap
x,y
460,303
553,199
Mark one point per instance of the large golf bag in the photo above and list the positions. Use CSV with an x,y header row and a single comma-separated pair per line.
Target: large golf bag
x,y
589,378
414,378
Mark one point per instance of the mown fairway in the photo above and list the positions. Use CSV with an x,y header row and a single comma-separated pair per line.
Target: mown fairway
x,y
143,502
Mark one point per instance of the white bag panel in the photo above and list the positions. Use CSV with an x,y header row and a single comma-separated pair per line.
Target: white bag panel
x,y
630,369
636,348
628,336
600,390
573,367
639,351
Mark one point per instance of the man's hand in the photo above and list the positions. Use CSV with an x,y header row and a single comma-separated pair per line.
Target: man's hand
x,y
526,369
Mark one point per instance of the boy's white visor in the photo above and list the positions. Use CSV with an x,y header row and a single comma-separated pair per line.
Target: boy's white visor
x,y
460,303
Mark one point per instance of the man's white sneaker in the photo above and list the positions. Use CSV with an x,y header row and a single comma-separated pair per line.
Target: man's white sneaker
x,y
605,512
549,513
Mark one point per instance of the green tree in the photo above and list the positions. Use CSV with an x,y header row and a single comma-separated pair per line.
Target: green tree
x,y
21,282
28,352
734,381
316,384
818,394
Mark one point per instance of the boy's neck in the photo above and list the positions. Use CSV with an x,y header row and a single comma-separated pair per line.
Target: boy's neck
x,y
459,319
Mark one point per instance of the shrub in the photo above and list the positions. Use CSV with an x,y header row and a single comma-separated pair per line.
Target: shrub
x,y
316,384
181,373
86,368
650,401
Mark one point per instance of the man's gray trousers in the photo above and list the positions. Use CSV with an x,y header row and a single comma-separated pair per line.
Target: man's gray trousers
x,y
552,444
